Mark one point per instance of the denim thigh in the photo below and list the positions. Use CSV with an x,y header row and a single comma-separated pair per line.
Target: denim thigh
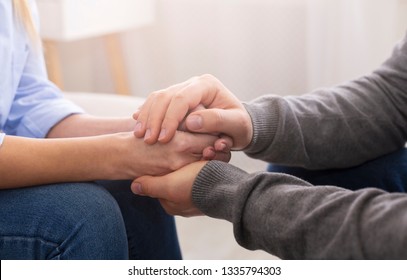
x,y
151,232
61,221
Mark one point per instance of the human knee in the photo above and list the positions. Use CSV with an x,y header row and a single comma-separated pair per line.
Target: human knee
x,y
93,224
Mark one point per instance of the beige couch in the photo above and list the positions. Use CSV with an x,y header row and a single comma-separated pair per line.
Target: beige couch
x,y
200,237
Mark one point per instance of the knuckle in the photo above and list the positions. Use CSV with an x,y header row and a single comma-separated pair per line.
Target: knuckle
x,y
158,95
178,97
153,95
182,145
176,164
180,103
178,161
207,77
209,81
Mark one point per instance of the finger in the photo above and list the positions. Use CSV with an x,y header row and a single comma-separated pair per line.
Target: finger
x,y
182,126
188,98
149,109
154,130
223,156
142,117
209,153
226,122
155,118
196,143
151,186
224,143
136,114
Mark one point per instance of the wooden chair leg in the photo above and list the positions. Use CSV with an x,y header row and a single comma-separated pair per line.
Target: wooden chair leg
x,y
53,63
117,65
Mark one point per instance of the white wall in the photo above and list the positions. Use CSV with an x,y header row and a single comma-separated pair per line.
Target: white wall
x,y
253,46
349,38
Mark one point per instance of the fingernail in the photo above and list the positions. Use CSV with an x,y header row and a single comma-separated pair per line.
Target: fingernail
x,y
136,188
209,154
163,132
148,134
222,147
138,127
194,122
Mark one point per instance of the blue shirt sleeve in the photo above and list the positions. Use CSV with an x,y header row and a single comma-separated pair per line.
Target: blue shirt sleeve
x,y
36,104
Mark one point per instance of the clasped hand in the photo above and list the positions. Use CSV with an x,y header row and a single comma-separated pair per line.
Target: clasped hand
x,y
200,105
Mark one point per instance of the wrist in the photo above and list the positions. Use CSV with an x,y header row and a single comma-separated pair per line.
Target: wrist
x,y
247,127
118,156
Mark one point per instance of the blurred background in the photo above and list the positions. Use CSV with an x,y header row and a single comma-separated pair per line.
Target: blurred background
x,y
255,47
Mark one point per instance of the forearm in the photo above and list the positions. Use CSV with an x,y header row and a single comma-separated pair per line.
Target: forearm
x,y
80,125
28,162
287,217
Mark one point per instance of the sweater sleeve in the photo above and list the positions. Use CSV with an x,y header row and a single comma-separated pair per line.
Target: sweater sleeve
x,y
337,127
291,219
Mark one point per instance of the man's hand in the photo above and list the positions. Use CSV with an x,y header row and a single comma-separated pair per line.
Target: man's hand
x,y
174,190
224,115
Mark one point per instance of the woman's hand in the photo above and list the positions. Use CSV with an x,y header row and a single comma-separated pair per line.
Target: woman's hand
x,y
140,159
164,111
173,190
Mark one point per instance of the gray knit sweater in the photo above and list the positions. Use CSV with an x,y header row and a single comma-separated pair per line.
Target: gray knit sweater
x,y
337,127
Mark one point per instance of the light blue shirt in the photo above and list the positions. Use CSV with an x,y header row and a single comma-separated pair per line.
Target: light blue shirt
x,y
30,105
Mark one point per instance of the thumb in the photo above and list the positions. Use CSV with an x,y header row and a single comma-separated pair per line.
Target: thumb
x,y
231,122
150,186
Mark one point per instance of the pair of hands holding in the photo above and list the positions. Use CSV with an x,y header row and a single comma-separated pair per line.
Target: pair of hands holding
x,y
199,105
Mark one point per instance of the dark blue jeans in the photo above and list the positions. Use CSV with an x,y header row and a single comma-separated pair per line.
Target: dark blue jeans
x,y
101,220
388,172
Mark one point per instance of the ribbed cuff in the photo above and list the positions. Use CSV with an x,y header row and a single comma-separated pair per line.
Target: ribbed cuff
x,y
214,190
264,112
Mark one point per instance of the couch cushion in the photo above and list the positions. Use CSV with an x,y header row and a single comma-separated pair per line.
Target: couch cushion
x,y
106,104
